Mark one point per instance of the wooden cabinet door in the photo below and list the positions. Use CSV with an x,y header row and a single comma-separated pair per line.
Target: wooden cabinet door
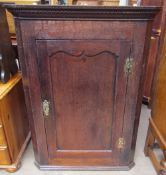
x,y
84,85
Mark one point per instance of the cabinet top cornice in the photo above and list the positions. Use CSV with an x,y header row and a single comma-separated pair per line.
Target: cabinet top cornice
x,y
83,12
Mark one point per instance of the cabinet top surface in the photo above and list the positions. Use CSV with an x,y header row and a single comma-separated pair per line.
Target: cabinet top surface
x,y
83,12
5,88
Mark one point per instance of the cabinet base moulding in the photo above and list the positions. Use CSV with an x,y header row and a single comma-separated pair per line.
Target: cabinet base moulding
x,y
85,168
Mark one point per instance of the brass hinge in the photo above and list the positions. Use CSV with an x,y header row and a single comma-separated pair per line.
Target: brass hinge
x,y
121,143
46,108
128,65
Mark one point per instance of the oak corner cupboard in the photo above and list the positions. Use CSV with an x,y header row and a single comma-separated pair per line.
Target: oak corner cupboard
x,y
83,69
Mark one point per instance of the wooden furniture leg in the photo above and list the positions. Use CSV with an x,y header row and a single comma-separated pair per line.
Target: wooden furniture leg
x,y
152,136
149,141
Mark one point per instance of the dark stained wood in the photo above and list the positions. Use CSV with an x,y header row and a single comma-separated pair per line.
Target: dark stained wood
x,y
8,65
83,12
157,20
83,83
78,60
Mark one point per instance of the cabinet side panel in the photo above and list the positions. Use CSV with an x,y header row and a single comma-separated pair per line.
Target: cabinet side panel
x,y
15,119
140,54
30,83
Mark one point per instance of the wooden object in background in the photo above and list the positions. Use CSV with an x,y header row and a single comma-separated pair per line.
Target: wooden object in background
x,y
86,2
132,2
14,127
81,67
109,2
10,19
154,52
101,2
157,124
69,2
8,64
